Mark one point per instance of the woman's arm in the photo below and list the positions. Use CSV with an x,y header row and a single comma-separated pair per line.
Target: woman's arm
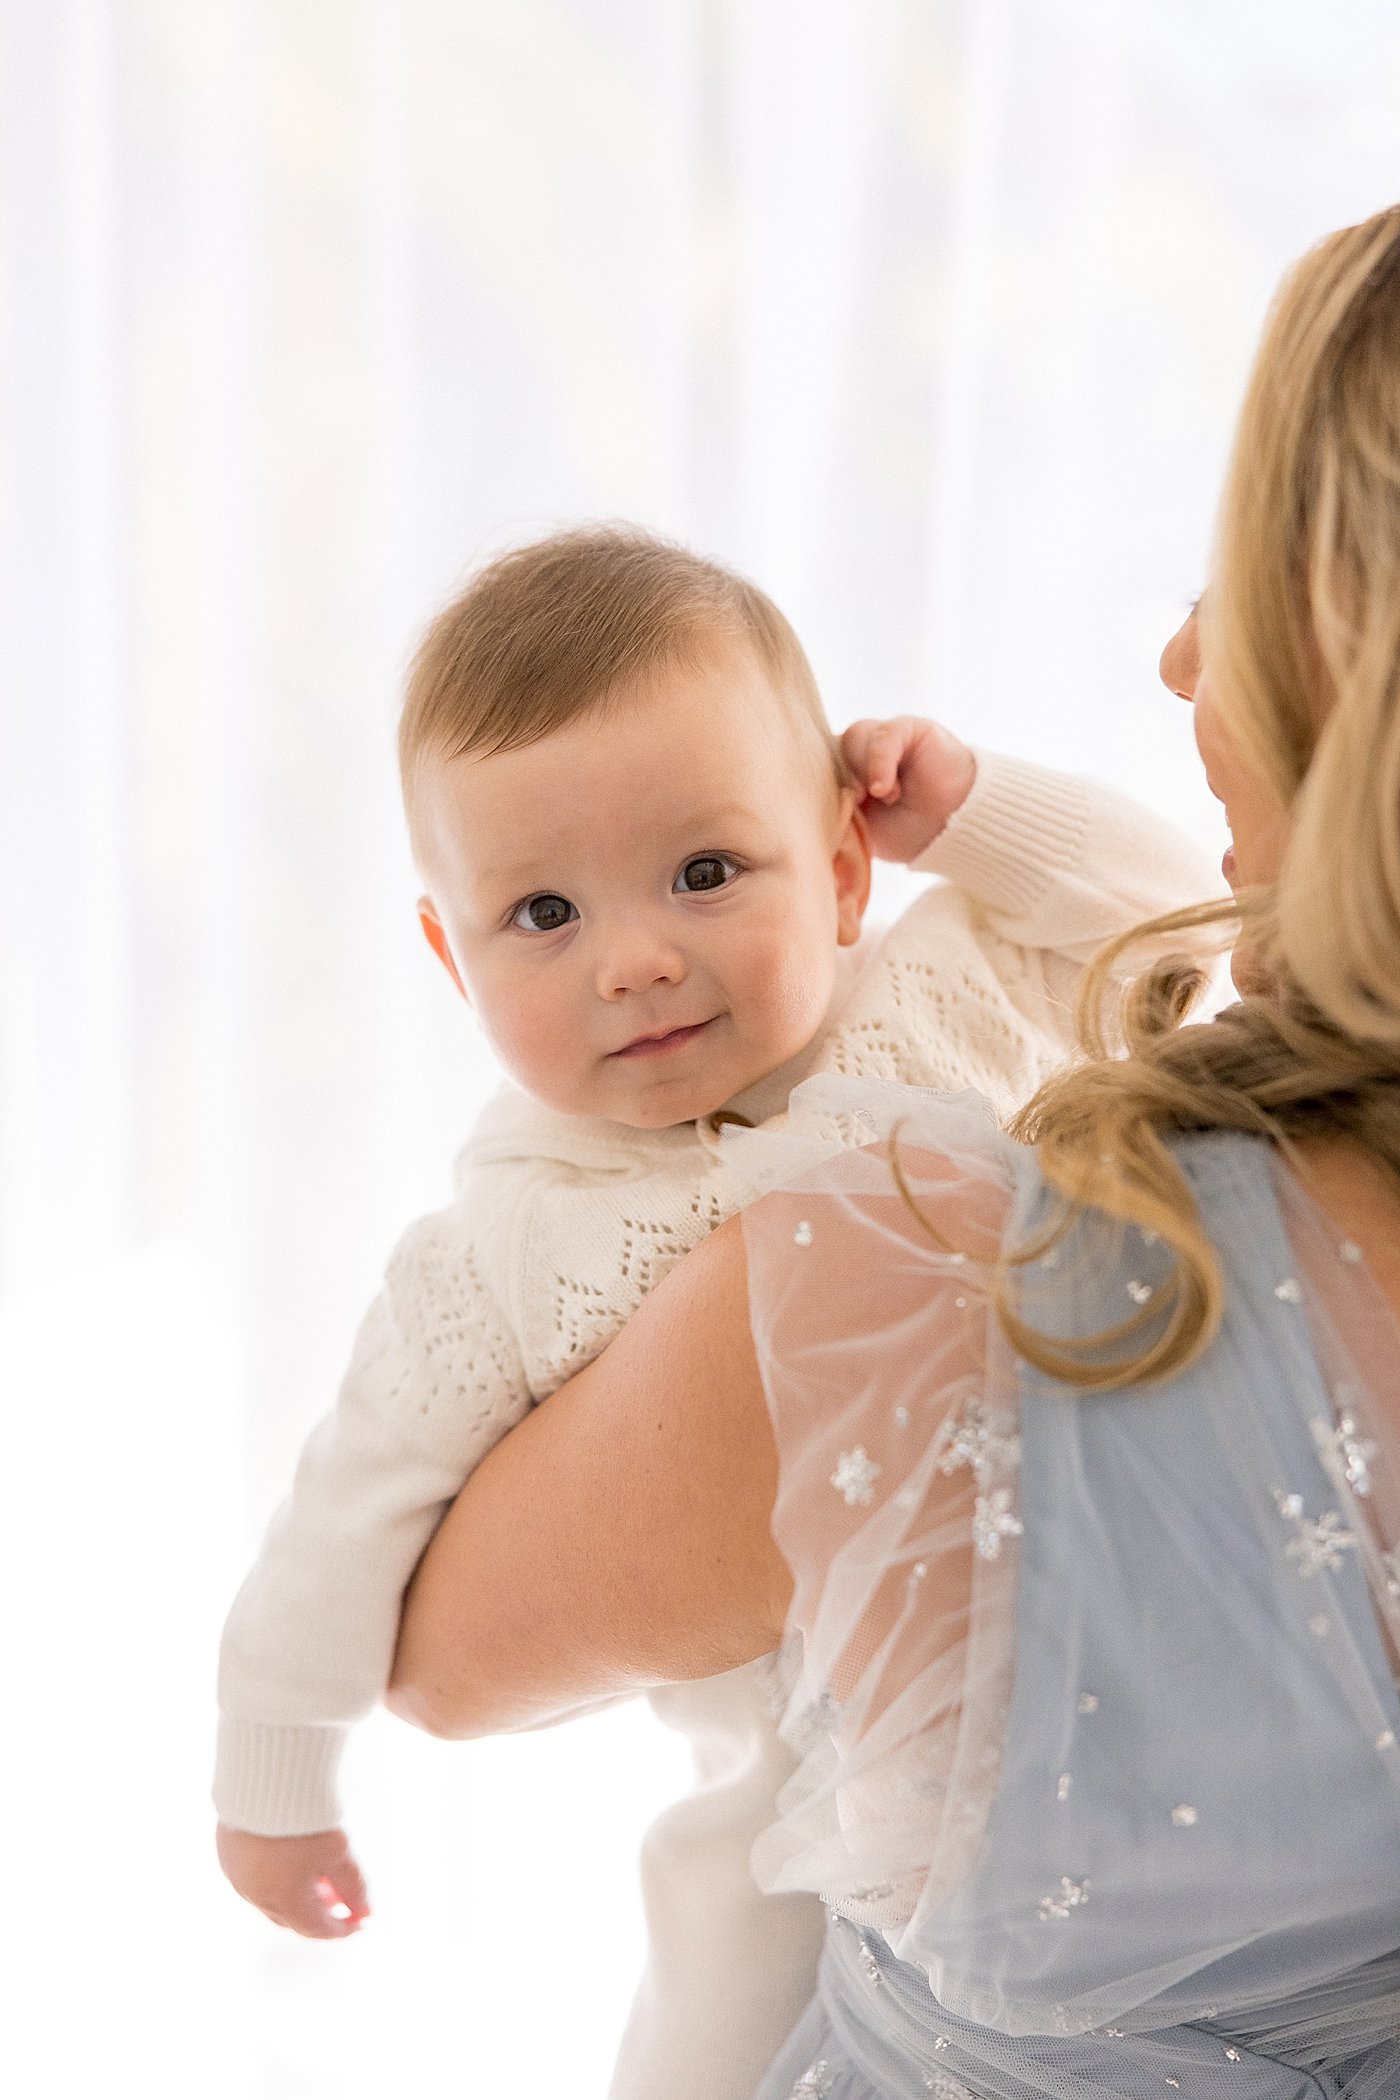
x,y
619,1537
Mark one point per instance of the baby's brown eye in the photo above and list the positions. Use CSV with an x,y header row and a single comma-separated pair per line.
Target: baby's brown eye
x,y
544,914
708,871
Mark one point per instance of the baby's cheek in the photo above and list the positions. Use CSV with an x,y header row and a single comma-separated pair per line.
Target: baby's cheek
x,y
790,983
529,1036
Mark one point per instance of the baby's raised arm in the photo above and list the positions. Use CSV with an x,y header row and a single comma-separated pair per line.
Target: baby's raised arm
x,y
1058,863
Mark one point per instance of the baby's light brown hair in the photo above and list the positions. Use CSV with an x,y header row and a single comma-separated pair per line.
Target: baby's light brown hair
x,y
573,623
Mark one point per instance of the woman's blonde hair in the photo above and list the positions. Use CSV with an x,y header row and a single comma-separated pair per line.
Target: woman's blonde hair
x,y
1301,631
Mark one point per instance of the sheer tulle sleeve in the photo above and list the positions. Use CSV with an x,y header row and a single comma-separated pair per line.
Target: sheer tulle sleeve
x,y
1094,1693
896,1424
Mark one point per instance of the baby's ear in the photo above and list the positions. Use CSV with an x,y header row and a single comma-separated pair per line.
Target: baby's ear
x,y
850,865
437,940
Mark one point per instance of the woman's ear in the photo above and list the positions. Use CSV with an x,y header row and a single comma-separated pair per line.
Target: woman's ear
x,y
850,865
437,941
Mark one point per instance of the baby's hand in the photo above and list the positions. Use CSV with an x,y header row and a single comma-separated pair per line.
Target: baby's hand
x,y
310,1884
912,775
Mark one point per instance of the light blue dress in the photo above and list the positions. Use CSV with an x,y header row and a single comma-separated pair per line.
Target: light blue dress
x,y
1118,1812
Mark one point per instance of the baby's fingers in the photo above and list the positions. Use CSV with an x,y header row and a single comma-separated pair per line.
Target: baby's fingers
x,y
874,752
310,1885
315,1913
318,1910
343,1885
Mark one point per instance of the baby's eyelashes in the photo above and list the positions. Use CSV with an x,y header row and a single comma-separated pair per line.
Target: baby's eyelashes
x,y
705,871
549,911
545,912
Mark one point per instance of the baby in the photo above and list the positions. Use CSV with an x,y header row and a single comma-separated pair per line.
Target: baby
x,y
646,861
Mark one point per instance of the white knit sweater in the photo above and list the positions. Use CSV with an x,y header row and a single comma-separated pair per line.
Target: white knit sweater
x,y
560,1227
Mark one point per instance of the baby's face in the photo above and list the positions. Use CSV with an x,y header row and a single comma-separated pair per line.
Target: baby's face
x,y
645,907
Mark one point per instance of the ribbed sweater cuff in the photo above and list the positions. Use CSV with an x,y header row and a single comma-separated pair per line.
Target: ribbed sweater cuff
x,y
1019,823
277,1781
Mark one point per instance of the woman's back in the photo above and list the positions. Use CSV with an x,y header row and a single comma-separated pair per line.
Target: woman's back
x,y
1176,1652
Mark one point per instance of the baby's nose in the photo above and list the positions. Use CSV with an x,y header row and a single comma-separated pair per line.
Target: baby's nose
x,y
636,958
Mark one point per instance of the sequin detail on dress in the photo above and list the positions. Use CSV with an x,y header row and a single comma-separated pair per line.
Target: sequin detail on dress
x,y
983,1441
815,2083
1070,1895
855,1476
993,1520
1346,1450
1318,1542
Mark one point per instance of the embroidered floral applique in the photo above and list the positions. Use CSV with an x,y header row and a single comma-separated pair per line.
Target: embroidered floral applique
x,y
1317,1542
1345,1450
855,1476
983,1441
1070,1895
993,1520
815,2083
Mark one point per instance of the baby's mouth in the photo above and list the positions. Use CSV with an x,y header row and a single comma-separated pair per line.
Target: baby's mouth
x,y
659,1045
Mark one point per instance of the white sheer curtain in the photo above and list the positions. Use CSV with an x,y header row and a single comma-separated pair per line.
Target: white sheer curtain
x,y
933,315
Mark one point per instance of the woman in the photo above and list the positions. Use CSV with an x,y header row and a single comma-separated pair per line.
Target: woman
x,y
1071,1468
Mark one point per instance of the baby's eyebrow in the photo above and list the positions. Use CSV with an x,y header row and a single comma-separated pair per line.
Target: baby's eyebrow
x,y
720,813
700,826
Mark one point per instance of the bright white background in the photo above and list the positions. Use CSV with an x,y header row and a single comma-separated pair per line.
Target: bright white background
x,y
930,313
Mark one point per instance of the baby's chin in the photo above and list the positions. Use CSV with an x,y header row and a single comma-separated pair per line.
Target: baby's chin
x,y
665,1108
657,1117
